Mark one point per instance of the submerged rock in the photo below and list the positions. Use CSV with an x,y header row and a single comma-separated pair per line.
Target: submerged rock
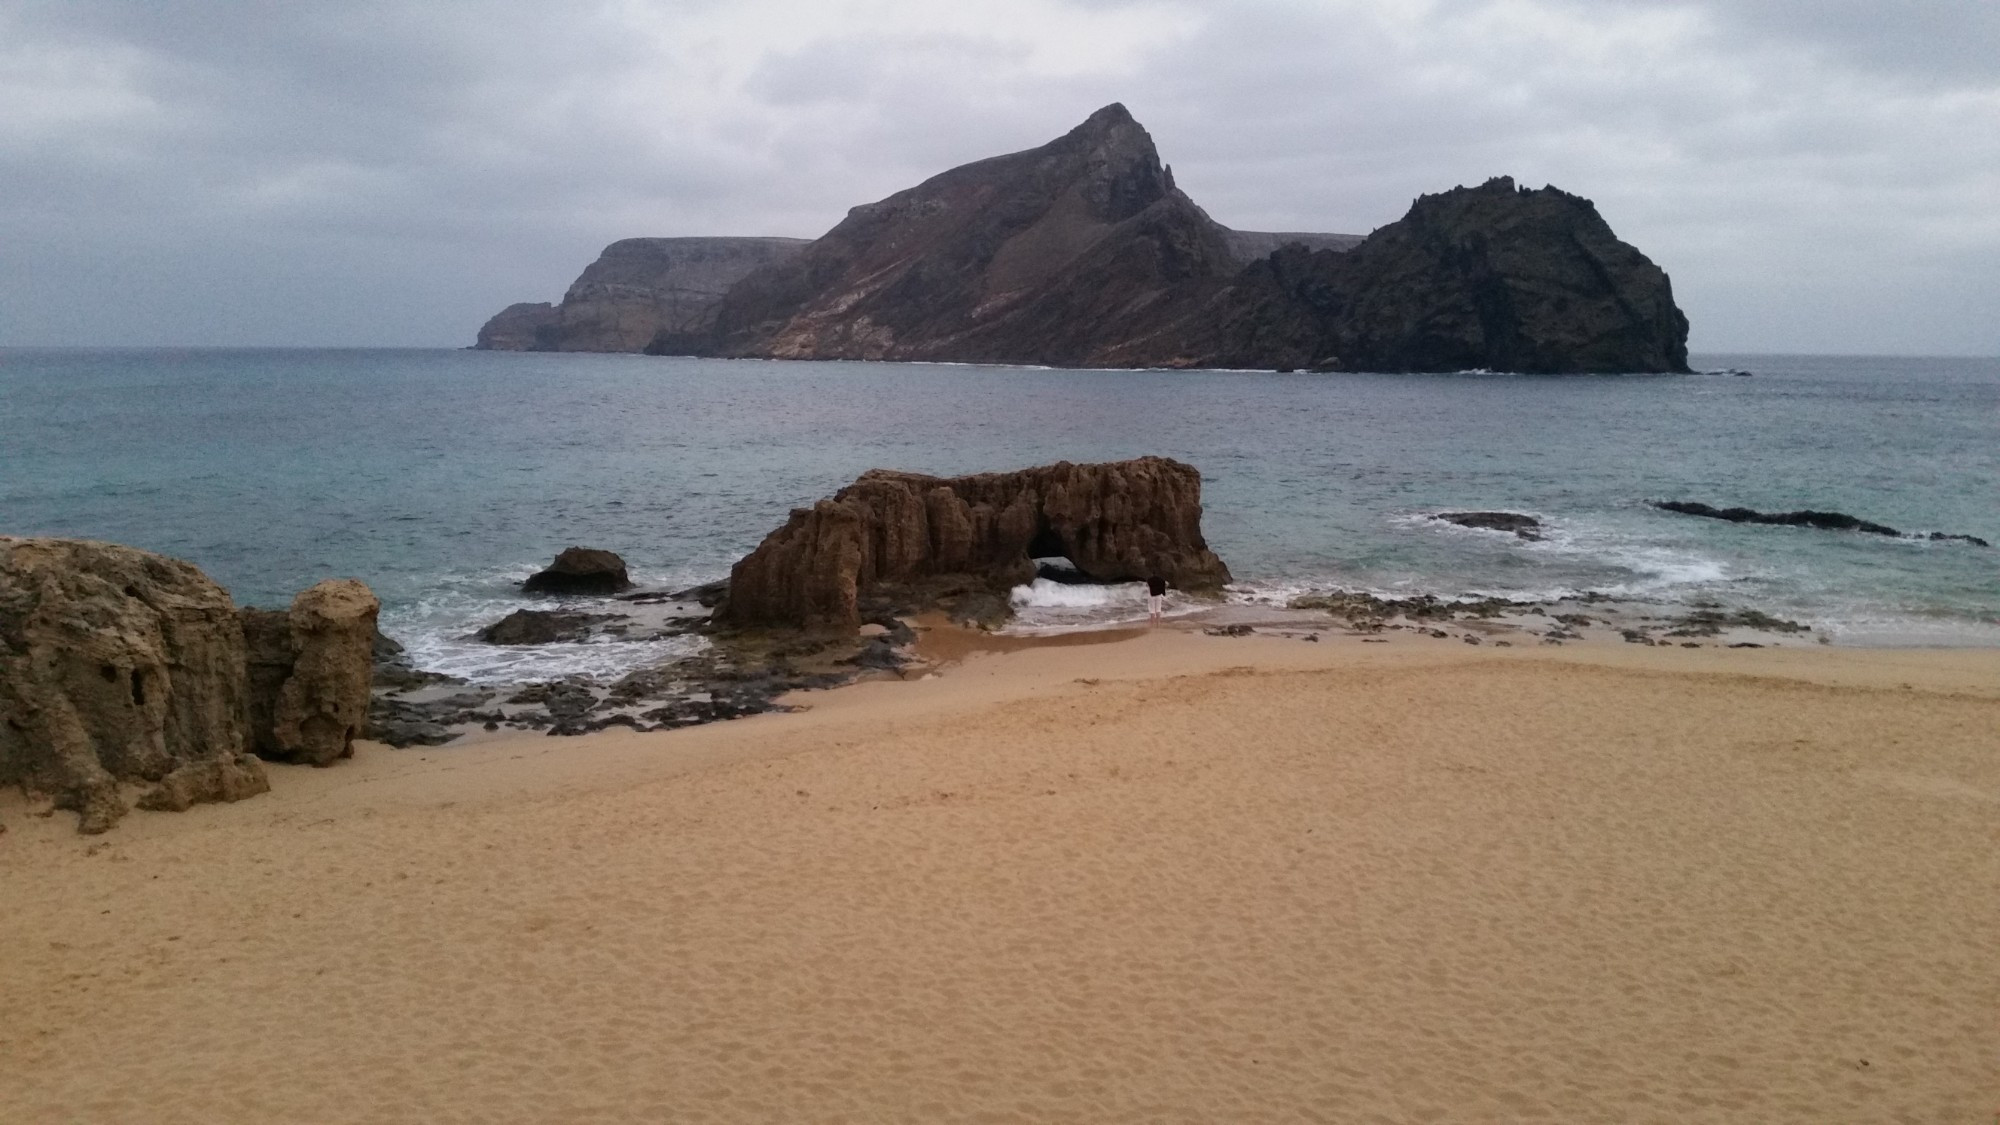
x,y
581,570
1527,527
912,539
541,627
119,665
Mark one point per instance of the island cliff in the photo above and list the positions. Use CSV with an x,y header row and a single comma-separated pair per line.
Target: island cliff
x,y
1083,252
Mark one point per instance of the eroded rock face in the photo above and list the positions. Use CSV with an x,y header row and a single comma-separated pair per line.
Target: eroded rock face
x,y
119,665
1118,521
581,570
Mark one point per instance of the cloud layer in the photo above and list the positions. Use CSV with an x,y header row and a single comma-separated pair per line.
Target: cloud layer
x,y
1814,176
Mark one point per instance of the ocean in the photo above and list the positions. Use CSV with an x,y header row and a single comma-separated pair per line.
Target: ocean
x,y
443,477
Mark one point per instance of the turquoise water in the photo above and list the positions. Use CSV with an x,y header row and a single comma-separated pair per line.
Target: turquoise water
x,y
442,477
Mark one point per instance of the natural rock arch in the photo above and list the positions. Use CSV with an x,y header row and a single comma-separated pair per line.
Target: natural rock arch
x,y
1116,521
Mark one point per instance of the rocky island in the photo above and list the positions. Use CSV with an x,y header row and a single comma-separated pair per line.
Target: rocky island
x,y
1084,253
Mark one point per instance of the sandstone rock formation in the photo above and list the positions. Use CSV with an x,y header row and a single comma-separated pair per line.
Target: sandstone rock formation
x,y
118,665
892,533
517,328
580,570
636,290
310,670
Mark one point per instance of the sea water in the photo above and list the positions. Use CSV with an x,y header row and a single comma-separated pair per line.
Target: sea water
x,y
442,478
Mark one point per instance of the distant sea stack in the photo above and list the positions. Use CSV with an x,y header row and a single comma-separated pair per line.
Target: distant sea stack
x,y
1083,253
636,290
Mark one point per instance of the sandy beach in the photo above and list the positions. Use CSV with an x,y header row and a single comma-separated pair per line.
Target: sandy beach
x,y
1164,877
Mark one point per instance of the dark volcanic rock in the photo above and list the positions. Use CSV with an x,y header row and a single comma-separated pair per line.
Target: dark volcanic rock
x,y
118,665
1830,521
580,570
540,627
902,537
1527,527
1490,277
637,289
516,328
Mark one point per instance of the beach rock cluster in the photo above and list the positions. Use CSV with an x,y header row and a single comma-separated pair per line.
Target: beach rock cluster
x,y
120,666
1829,521
1083,252
638,289
899,540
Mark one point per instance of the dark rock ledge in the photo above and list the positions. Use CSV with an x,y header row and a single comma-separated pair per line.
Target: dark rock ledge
x,y
1830,521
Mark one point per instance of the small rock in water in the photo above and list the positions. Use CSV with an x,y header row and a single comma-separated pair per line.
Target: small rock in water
x,y
581,570
1229,631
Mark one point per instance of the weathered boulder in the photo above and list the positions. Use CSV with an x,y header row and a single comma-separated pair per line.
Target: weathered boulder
x,y
310,671
517,328
117,666
1118,521
580,570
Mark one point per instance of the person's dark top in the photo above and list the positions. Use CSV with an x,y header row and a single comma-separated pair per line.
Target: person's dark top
x,y
1157,587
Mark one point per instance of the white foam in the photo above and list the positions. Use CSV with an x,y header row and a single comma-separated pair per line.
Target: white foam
x,y
1045,593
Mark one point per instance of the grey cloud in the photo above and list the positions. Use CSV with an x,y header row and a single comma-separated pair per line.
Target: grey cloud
x,y
1814,176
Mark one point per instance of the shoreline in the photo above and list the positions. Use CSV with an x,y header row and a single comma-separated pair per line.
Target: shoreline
x,y
1223,877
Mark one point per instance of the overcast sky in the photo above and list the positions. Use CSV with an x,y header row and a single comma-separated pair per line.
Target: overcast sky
x,y
1815,175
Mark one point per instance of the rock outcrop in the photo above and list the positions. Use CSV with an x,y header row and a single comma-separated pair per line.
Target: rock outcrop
x,y
891,534
119,666
310,671
580,570
636,290
517,328
1826,521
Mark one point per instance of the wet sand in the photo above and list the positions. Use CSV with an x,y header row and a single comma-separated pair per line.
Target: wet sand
x,y
1166,877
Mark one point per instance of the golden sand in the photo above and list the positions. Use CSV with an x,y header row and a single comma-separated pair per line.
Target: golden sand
x,y
1168,878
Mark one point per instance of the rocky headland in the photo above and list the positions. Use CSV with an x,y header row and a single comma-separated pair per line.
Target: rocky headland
x,y
637,289
1083,252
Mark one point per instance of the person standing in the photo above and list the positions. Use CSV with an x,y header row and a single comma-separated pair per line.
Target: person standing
x,y
1156,598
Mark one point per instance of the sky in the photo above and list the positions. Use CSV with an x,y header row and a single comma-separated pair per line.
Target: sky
x,y
1814,175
